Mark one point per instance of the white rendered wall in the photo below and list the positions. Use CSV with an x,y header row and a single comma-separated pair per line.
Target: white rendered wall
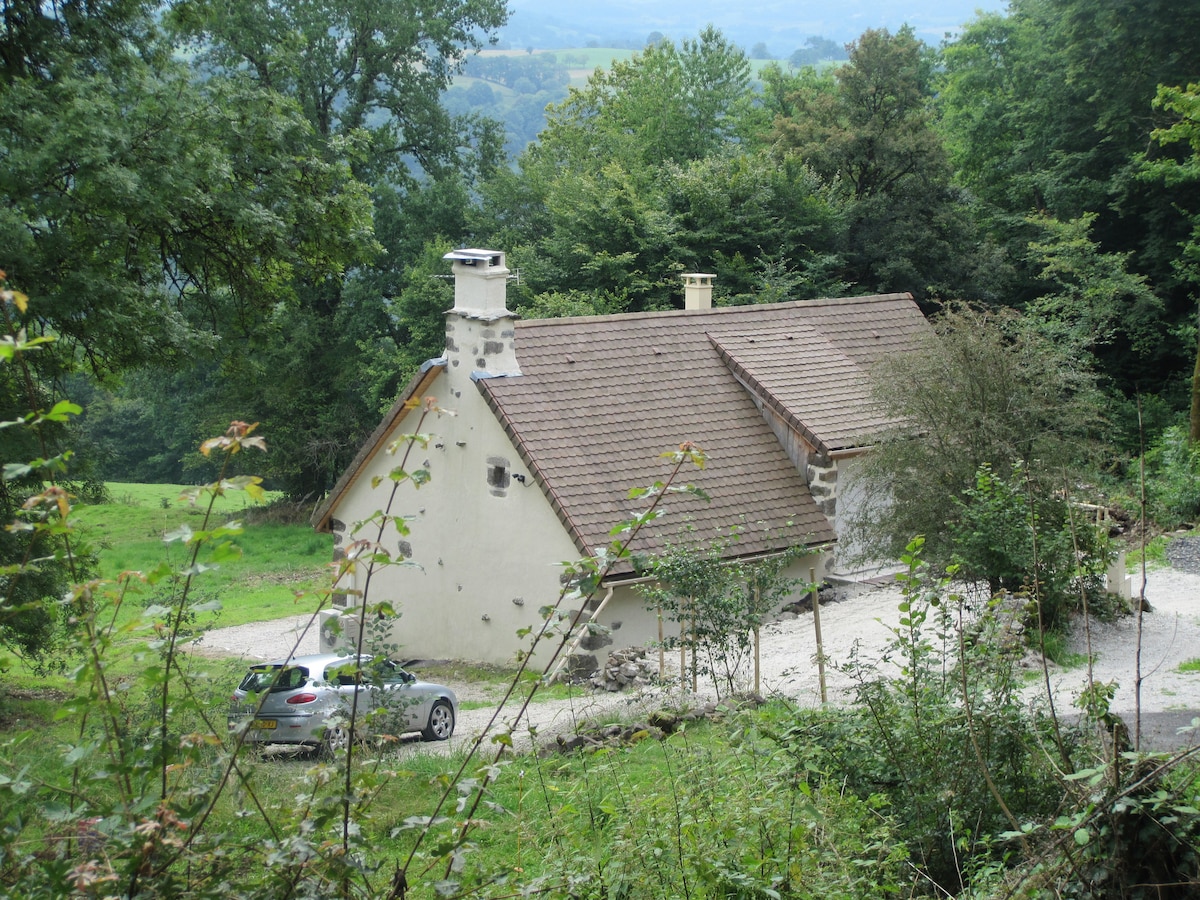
x,y
474,553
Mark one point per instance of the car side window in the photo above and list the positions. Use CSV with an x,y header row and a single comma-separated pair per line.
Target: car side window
x,y
389,672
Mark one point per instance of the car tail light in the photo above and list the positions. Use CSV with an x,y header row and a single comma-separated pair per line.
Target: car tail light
x,y
301,698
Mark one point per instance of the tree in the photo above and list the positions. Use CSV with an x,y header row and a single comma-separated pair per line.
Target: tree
x,y
43,41
36,559
736,212
716,601
588,202
358,66
816,49
1048,111
868,128
990,392
667,103
1037,122
163,220
361,83
1090,294
871,127
148,210
1184,104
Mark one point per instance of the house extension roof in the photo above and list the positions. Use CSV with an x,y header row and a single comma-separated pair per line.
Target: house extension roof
x,y
601,398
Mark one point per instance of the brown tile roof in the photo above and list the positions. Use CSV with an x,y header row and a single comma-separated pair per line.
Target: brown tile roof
x,y
600,398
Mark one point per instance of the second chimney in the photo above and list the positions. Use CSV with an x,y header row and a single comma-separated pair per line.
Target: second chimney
x,y
697,291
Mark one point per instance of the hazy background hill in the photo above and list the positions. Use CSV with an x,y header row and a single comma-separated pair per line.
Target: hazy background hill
x,y
782,26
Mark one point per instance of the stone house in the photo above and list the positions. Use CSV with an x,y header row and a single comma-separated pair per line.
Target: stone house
x,y
555,420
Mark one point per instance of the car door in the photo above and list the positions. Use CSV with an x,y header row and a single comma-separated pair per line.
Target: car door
x,y
347,678
407,707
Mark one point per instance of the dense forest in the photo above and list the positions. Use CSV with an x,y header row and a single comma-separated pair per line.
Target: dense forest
x,y
217,221
236,211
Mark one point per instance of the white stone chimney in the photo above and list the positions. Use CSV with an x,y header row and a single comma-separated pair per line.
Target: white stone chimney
x,y
480,329
697,290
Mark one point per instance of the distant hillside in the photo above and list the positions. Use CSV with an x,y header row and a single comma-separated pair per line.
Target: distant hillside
x,y
782,26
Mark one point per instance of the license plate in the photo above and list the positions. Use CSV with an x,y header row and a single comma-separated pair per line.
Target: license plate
x,y
263,725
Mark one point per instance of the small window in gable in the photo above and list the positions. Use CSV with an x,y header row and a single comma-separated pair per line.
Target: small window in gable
x,y
498,475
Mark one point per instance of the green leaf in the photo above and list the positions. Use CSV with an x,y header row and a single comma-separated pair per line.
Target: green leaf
x,y
62,410
182,533
13,471
78,753
225,552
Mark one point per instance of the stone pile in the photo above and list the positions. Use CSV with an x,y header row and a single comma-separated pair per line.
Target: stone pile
x,y
625,668
657,726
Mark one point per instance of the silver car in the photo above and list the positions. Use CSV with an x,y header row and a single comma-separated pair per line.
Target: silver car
x,y
308,700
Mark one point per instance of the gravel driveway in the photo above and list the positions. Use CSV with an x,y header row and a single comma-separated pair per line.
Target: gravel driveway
x,y
1170,636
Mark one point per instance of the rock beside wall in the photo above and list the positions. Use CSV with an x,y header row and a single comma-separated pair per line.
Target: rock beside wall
x,y
625,668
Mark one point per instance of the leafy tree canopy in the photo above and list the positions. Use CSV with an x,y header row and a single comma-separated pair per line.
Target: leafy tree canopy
x,y
667,103
1046,109
151,211
867,129
989,391
353,66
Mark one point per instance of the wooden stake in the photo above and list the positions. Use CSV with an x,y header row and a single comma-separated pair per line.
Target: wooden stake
x,y
582,634
695,667
816,602
662,651
682,652
757,648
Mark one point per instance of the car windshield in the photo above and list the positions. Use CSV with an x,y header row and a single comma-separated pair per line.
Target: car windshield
x,y
270,678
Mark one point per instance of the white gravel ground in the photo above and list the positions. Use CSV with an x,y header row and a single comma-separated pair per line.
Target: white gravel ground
x,y
1170,635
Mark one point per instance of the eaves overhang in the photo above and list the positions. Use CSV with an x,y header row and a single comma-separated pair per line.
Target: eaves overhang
x,y
409,399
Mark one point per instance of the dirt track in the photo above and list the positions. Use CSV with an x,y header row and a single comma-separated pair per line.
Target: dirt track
x,y
1170,635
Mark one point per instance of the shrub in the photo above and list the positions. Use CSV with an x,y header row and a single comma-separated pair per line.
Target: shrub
x,y
1173,478
718,817
716,603
1026,542
942,732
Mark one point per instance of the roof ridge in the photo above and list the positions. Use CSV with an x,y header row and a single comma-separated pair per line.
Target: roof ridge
x,y
715,312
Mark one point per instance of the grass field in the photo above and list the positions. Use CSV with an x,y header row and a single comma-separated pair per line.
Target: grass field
x,y
277,561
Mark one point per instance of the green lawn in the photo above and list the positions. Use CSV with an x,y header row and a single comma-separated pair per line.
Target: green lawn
x,y
277,561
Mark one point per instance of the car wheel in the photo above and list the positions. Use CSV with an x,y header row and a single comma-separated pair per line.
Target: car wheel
x,y
441,722
337,738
